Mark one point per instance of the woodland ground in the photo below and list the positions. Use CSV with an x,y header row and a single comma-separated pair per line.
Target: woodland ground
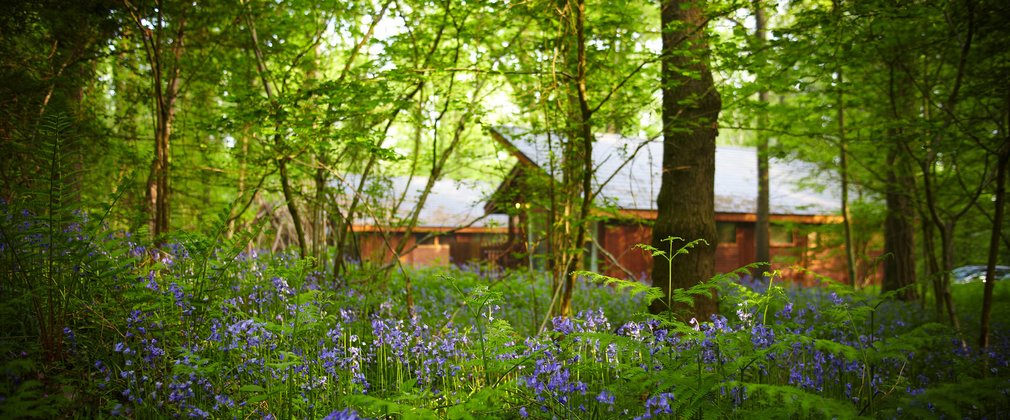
x,y
98,325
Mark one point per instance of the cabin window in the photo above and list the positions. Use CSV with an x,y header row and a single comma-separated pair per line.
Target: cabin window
x,y
780,235
726,232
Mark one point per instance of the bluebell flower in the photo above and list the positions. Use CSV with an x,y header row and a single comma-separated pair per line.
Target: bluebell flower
x,y
152,282
281,287
595,321
345,414
563,325
786,311
605,397
762,336
657,404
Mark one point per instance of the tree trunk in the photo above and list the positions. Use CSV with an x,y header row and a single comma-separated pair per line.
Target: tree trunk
x,y
583,149
761,226
947,244
282,157
289,198
165,75
990,271
843,165
686,202
899,238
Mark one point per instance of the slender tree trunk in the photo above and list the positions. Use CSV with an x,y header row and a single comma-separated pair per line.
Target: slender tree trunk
x,y
289,200
584,151
843,173
762,227
843,165
686,202
934,269
242,174
997,225
165,75
947,243
282,157
990,271
319,215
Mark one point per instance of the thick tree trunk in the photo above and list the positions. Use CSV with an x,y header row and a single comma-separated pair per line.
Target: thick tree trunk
x,y
899,238
686,202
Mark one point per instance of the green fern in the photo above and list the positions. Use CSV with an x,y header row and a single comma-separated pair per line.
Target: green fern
x,y
51,258
966,398
633,287
786,401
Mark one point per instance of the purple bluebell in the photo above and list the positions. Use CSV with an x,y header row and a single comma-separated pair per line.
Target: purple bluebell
x,y
345,414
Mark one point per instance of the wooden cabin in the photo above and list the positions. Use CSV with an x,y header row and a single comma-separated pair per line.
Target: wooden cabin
x,y
451,227
628,178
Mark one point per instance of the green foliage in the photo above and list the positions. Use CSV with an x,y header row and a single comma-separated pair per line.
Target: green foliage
x,y
631,287
265,332
55,264
97,322
679,297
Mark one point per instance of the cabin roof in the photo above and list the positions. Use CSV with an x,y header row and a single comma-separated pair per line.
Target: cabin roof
x,y
629,170
451,203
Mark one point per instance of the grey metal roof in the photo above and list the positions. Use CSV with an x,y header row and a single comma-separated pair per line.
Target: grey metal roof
x,y
630,170
450,204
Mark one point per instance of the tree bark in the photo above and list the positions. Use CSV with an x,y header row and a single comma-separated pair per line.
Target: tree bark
x,y
762,225
282,156
843,165
899,238
166,79
686,202
583,153
997,228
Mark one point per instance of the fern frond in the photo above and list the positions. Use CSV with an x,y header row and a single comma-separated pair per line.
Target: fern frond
x,y
633,287
690,245
787,401
655,252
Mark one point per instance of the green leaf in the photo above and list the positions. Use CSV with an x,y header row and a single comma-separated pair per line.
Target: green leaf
x,y
252,388
257,398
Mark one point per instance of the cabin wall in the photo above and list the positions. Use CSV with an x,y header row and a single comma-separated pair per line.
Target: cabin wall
x,y
455,248
797,261
802,261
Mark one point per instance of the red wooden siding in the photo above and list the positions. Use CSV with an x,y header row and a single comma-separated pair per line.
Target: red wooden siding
x,y
796,261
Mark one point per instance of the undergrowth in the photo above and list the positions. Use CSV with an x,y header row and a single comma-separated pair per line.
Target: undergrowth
x,y
202,329
99,323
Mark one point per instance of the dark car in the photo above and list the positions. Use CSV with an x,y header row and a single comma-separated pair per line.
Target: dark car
x,y
976,273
